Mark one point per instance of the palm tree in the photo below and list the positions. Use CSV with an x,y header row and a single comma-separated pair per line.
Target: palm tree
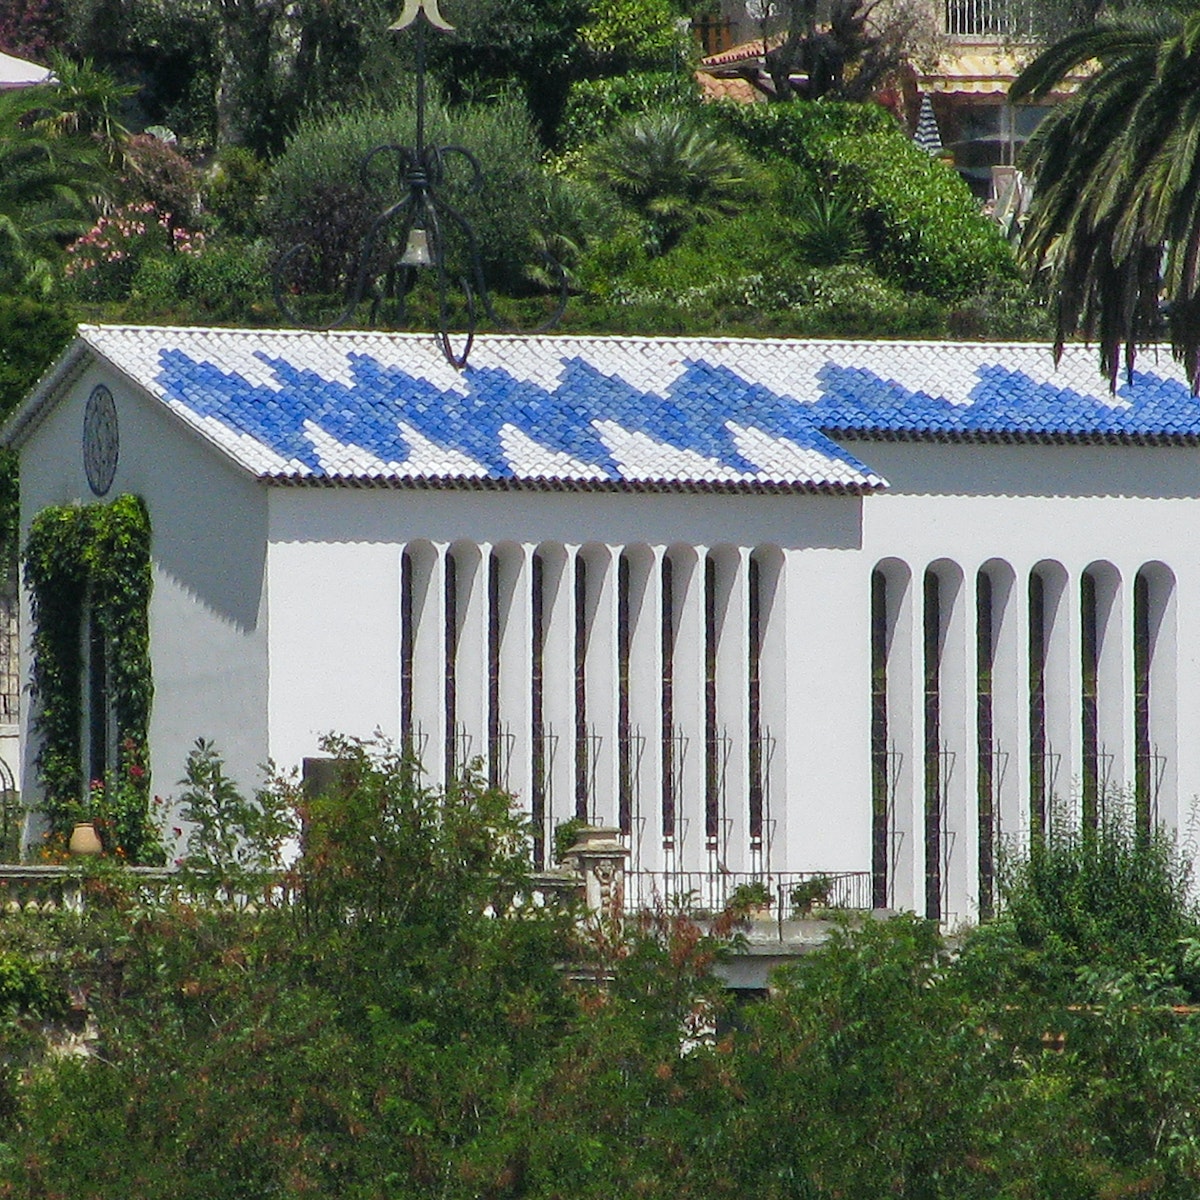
x,y
674,172
85,100
46,190
1115,219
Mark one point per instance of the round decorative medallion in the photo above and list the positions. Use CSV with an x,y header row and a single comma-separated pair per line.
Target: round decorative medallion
x,y
101,440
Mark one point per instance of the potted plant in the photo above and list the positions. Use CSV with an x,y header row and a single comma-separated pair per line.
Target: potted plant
x,y
751,899
84,837
808,893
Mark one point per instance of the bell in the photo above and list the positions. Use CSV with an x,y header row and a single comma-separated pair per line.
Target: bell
x,y
416,253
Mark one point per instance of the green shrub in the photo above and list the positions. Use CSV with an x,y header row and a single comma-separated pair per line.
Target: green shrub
x,y
850,300
1006,310
32,335
26,986
326,155
674,172
596,106
760,270
924,229
229,279
233,194
1112,898
629,34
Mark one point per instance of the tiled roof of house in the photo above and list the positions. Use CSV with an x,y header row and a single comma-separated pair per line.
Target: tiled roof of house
x,y
745,52
717,87
570,411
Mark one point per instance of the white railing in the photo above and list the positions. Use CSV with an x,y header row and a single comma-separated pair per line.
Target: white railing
x,y
990,18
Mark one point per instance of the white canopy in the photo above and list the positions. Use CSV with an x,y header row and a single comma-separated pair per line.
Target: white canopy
x,y
17,72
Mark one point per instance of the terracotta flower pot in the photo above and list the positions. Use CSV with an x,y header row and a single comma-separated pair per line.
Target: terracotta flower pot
x,y
85,839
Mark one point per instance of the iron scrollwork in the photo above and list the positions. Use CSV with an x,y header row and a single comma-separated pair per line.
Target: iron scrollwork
x,y
423,223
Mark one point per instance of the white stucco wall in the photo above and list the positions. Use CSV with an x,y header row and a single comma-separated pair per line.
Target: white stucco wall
x,y
1112,509
956,508
208,519
276,618
335,650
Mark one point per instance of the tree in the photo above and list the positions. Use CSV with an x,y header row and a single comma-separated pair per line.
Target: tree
x,y
1115,221
30,28
239,72
846,57
46,186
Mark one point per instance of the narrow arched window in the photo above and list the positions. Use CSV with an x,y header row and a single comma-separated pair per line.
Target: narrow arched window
x,y
880,796
1037,705
582,747
754,701
495,731
450,666
669,754
407,642
985,738
712,743
932,661
97,675
537,707
624,728
1089,698
1143,771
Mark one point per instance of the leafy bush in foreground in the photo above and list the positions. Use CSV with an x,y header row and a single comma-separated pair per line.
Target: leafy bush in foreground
x,y
402,1028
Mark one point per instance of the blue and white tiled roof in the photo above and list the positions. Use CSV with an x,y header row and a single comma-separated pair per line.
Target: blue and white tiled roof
x,y
578,412
570,411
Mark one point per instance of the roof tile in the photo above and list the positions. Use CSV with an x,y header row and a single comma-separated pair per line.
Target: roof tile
x,y
677,412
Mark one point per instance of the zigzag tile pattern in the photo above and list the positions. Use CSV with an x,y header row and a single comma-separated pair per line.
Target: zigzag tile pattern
x,y
576,411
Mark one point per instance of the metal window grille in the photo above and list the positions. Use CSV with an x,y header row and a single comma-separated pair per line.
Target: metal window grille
x,y
990,18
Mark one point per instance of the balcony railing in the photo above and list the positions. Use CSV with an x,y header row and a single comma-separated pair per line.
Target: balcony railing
x,y
990,18
704,891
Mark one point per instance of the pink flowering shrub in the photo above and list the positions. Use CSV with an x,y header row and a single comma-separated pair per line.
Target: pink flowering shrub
x,y
102,263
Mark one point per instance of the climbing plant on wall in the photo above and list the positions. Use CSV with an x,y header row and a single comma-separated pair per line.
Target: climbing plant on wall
x,y
78,560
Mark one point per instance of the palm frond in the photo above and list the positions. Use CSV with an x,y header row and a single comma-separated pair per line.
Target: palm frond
x,y
1116,173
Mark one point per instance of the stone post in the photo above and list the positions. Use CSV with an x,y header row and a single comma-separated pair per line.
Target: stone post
x,y
599,856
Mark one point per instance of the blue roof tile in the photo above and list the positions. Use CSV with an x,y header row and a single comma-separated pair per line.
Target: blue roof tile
x,y
620,411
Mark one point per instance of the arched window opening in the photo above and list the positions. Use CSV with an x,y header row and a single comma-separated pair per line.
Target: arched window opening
x,y
932,662
985,739
624,724
1143,773
754,703
537,709
880,790
582,757
669,754
1154,699
1037,705
407,644
712,734
450,664
495,727
100,721
1089,699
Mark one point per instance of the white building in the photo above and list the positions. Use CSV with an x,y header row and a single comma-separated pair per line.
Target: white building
x,y
769,607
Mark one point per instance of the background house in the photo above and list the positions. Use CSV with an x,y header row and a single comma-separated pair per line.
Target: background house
x,y
19,72
963,55
769,607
